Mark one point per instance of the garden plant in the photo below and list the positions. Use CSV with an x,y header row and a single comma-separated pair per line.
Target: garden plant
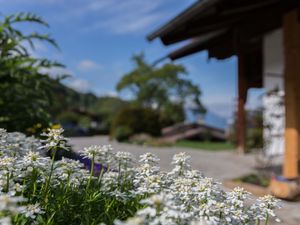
x,y
25,82
37,189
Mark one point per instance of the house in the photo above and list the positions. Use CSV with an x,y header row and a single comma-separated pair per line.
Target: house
x,y
193,131
207,127
265,37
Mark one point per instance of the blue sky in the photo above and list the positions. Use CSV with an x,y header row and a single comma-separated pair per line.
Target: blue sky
x,y
98,38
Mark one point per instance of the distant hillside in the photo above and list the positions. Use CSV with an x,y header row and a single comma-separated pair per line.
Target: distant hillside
x,y
66,98
85,110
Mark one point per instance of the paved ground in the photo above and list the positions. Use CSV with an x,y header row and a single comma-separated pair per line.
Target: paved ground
x,y
221,165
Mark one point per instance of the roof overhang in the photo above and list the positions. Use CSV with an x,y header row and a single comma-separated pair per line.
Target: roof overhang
x,y
242,22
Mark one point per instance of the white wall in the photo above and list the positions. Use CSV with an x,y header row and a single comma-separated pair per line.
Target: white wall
x,y
274,109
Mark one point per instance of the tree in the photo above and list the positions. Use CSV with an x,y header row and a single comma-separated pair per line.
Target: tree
x,y
164,89
25,86
107,107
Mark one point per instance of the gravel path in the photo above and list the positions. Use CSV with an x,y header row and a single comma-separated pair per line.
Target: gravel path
x,y
221,165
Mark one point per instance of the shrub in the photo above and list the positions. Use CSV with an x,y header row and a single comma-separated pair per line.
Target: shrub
x,y
25,84
135,120
122,133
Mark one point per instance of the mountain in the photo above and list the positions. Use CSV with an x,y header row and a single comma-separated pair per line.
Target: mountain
x,y
209,118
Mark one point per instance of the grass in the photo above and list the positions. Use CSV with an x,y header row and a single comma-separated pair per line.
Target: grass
x,y
205,145
257,179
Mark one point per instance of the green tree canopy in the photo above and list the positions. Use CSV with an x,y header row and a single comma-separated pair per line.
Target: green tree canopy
x,y
25,87
165,89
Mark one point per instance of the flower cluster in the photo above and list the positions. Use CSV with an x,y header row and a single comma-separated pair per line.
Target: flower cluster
x,y
54,139
9,207
185,196
24,172
37,189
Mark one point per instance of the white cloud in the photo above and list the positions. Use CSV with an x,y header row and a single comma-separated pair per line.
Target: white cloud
x,y
87,65
79,85
114,15
111,94
130,16
29,2
56,72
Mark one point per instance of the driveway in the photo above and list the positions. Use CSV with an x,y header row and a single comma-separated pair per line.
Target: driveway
x,y
220,165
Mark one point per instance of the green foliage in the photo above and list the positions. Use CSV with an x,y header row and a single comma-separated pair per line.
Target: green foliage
x,y
165,89
171,114
68,117
253,178
254,138
122,133
254,125
107,108
255,129
25,89
135,120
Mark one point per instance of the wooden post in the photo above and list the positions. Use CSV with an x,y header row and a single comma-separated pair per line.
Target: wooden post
x,y
242,98
291,29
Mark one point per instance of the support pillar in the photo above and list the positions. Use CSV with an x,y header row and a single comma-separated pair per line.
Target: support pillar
x,y
242,98
291,29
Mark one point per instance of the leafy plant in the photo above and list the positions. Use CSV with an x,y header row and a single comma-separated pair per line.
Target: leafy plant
x,y
25,85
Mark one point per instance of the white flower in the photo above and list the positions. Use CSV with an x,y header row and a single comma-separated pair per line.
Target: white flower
x,y
54,139
124,161
181,161
5,221
182,196
131,221
32,211
265,206
100,153
149,158
10,204
7,163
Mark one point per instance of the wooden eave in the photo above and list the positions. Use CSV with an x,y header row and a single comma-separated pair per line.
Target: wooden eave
x,y
194,10
211,15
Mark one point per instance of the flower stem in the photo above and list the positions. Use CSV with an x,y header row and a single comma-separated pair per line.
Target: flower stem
x,y
267,219
91,173
50,175
7,182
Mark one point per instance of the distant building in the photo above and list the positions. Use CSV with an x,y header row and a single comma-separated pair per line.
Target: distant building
x,y
193,131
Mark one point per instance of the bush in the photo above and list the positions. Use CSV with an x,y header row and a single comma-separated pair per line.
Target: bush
x,y
135,120
25,84
122,133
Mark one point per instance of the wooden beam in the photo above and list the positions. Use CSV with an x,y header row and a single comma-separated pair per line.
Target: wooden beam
x,y
242,98
198,44
199,25
291,29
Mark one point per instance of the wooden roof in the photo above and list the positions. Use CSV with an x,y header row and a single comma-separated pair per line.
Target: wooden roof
x,y
223,26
